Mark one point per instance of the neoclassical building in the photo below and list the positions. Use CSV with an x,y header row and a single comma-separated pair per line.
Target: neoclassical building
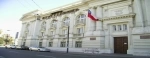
x,y
123,27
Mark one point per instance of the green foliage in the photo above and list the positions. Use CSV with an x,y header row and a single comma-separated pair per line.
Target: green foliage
x,y
1,40
6,41
0,31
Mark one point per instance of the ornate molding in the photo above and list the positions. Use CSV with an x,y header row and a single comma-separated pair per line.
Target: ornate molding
x,y
119,17
79,24
80,12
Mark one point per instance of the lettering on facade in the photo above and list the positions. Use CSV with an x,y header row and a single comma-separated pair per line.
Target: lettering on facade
x,y
145,37
92,38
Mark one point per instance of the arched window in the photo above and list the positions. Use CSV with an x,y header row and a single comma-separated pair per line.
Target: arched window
x,y
66,21
81,18
54,23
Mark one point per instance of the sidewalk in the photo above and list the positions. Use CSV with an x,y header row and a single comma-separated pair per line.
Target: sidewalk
x,y
90,54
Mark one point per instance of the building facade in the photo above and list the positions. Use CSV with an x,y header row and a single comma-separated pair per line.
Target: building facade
x,y
123,27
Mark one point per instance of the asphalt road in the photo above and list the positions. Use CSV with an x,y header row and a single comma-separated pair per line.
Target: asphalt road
x,y
13,53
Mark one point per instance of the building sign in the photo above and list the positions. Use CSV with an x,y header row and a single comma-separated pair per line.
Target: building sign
x,y
92,38
145,37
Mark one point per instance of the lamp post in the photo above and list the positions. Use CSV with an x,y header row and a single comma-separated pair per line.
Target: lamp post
x,y
68,40
67,37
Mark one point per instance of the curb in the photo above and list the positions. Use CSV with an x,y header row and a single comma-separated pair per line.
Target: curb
x,y
104,54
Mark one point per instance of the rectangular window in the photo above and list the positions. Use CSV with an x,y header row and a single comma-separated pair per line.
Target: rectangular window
x,y
24,43
114,28
64,32
40,44
119,27
78,44
51,32
79,30
50,44
124,26
42,33
62,44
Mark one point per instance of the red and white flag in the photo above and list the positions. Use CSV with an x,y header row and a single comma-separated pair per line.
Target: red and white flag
x,y
91,16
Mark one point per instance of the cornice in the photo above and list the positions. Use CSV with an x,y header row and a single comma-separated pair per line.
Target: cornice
x,y
118,17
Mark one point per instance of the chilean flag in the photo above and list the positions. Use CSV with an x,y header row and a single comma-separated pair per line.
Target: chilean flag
x,y
92,16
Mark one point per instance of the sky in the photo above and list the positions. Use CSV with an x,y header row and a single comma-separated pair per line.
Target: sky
x,y
12,10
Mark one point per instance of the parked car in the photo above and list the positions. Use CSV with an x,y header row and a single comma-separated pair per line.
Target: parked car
x,y
40,49
18,47
22,47
7,46
10,46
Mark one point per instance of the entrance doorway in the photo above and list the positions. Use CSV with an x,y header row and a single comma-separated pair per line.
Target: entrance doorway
x,y
120,45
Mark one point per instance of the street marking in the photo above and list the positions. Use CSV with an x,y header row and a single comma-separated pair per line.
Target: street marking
x,y
13,51
2,57
46,56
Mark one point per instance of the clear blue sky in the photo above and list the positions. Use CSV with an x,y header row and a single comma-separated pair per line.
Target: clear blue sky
x,y
12,10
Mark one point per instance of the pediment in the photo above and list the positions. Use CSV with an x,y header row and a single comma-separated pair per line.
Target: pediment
x,y
29,15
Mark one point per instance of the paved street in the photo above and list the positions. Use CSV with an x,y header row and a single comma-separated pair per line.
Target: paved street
x,y
12,53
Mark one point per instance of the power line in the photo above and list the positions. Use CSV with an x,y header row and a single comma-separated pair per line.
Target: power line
x,y
23,5
28,3
36,4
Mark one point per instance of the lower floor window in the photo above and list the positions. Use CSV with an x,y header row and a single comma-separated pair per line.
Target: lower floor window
x,y
62,44
40,44
50,44
78,44
24,43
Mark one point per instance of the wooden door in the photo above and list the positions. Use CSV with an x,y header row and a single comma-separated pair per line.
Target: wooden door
x,y
120,45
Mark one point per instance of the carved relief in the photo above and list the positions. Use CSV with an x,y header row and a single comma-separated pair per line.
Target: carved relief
x,y
119,11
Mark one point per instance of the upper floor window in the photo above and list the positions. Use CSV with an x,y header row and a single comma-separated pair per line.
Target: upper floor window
x,y
54,23
120,27
66,21
81,18
52,32
124,26
79,30
64,32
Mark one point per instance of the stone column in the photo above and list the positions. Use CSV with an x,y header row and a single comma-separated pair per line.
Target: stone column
x,y
22,29
36,29
91,22
99,11
147,8
58,25
72,19
139,15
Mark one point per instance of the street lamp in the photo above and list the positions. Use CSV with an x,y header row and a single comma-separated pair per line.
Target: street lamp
x,y
67,38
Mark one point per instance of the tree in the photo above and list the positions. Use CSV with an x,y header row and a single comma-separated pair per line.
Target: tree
x,y
8,40
0,31
1,40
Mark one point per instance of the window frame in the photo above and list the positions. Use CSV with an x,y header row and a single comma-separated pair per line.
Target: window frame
x,y
78,44
66,21
81,18
50,44
62,44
